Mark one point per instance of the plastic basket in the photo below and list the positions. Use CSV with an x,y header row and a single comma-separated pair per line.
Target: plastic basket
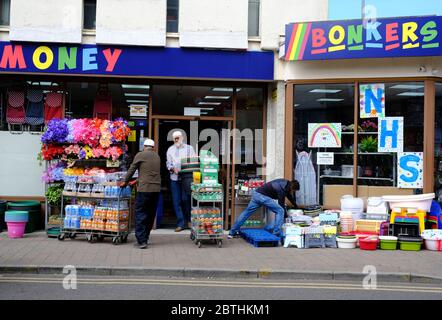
x,y
373,226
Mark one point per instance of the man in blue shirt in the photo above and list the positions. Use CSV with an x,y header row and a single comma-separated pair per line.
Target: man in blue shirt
x,y
266,195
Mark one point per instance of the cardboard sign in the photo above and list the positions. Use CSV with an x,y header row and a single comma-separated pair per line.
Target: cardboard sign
x,y
138,110
112,164
324,135
325,158
372,100
391,134
410,168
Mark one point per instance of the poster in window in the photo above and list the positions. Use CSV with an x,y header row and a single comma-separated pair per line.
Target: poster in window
x,y
372,100
410,168
138,111
324,135
391,134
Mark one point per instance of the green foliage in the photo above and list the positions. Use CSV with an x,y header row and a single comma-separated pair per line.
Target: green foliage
x,y
369,144
53,195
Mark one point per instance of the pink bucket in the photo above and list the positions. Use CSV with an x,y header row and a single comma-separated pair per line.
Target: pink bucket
x,y
16,229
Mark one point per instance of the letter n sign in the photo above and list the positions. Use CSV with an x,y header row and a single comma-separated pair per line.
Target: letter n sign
x,y
391,134
410,168
372,100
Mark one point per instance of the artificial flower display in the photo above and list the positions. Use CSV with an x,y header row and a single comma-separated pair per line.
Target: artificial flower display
x,y
92,132
56,132
73,172
54,172
50,151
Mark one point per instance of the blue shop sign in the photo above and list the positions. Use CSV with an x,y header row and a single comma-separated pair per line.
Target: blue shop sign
x,y
131,61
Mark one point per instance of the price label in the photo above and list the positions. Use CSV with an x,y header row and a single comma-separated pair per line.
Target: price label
x,y
112,164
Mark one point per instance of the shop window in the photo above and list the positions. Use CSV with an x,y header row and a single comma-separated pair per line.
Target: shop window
x,y
249,168
378,156
197,101
4,12
253,29
172,16
438,143
90,14
323,123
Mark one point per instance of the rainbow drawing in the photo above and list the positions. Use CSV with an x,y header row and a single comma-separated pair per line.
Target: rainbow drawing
x,y
324,135
298,41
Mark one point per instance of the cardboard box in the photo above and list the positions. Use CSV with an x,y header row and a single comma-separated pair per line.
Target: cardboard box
x,y
333,193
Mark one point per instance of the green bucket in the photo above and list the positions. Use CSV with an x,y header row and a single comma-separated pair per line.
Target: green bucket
x,y
34,208
410,246
388,244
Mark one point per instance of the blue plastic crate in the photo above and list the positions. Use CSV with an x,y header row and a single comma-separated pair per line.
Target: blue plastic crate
x,y
260,237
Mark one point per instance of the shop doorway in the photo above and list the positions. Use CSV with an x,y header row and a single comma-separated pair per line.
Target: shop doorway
x,y
203,133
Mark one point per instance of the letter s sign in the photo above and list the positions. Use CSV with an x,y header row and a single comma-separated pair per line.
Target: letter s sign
x,y
410,170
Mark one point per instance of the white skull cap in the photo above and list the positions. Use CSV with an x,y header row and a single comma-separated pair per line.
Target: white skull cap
x,y
149,143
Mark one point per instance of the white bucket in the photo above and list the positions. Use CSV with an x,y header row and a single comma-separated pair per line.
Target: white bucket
x,y
346,243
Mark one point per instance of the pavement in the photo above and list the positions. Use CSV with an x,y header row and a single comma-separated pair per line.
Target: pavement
x,y
173,254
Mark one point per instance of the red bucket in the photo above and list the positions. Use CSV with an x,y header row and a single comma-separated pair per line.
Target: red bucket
x,y
368,243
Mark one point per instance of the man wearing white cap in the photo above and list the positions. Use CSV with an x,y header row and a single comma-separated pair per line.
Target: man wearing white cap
x,y
148,164
181,198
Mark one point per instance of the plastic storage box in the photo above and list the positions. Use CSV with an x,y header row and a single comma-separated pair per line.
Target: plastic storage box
x,y
410,243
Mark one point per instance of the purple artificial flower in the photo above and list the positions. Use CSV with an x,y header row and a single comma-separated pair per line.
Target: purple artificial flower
x,y
57,131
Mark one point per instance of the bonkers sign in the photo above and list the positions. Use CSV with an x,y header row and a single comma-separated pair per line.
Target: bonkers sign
x,y
25,57
351,39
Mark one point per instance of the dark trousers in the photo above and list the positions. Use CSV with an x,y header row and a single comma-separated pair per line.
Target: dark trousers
x,y
145,212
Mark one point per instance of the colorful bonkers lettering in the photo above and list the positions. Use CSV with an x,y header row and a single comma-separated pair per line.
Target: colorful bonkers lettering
x,y
352,39
51,58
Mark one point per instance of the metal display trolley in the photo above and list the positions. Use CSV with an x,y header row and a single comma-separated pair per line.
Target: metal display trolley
x,y
207,214
109,217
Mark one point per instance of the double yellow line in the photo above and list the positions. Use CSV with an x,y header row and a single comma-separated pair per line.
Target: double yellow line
x,y
226,284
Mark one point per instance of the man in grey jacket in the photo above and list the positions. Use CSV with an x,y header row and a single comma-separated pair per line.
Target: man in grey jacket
x,y
148,164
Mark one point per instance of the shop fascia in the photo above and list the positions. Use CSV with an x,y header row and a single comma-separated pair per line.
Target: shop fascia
x,y
65,58
375,38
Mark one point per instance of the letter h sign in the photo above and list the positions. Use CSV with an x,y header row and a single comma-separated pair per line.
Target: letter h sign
x,y
391,134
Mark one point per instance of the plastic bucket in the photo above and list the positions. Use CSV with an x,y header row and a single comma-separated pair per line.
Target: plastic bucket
x,y
388,243
368,244
34,208
433,245
16,229
346,243
16,216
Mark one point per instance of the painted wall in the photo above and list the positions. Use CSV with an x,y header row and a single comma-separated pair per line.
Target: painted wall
x,y
276,13
275,131
213,24
131,22
18,163
46,20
